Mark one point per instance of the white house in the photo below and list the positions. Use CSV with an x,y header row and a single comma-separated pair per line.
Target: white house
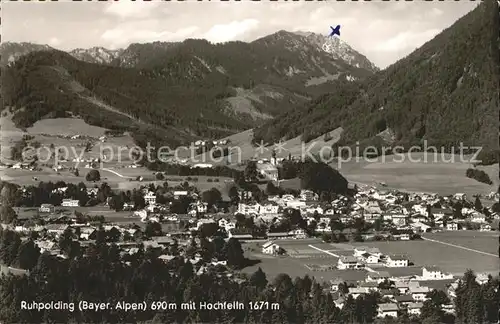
x,y
150,198
434,273
370,258
387,309
452,226
419,293
460,196
414,308
395,261
46,208
297,204
308,195
69,203
378,277
478,218
180,193
298,233
227,225
269,209
248,209
198,207
313,209
355,292
270,248
359,251
485,228
419,226
268,170
349,262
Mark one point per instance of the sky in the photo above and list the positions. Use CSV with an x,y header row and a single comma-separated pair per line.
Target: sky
x,y
382,31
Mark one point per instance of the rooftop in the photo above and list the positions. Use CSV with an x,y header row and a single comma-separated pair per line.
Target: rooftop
x,y
388,307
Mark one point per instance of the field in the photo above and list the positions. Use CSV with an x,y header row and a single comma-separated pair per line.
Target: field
x,y
432,176
440,173
298,264
114,171
110,216
481,241
451,259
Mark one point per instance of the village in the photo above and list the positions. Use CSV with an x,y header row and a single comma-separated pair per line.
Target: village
x,y
179,225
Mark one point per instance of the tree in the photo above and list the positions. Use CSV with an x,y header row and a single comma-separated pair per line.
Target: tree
x,y
9,195
7,214
271,189
160,176
152,229
113,235
211,197
209,229
320,177
234,195
258,279
9,247
27,256
93,175
478,205
65,240
251,171
234,253
116,202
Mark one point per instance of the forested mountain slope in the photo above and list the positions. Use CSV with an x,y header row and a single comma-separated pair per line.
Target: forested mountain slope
x,y
178,91
445,92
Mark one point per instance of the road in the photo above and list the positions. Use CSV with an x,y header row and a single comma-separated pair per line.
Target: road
x,y
324,251
116,173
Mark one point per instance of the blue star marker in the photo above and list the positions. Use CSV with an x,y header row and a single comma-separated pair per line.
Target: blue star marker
x,y
335,31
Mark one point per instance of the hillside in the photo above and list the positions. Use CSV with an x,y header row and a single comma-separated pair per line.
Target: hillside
x,y
10,52
445,92
177,92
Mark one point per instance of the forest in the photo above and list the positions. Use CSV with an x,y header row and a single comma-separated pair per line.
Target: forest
x,y
98,273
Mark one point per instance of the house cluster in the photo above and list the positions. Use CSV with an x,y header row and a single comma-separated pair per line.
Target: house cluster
x,y
364,257
203,143
306,203
128,239
420,212
399,292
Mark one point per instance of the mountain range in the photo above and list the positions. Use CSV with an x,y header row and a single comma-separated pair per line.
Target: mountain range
x,y
179,91
283,85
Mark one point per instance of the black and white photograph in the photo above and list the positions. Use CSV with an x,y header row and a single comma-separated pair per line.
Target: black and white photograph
x,y
250,162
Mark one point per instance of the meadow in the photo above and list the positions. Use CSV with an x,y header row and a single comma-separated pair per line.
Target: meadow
x,y
421,253
448,258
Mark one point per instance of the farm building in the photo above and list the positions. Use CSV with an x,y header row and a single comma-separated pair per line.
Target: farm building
x,y
46,208
70,203
349,262
434,273
396,261
270,248
388,309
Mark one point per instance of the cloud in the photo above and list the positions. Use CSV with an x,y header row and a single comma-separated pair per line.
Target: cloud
x,y
406,40
228,32
124,35
129,9
54,41
435,12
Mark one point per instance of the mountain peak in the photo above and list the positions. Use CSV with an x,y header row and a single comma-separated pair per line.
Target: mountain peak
x,y
445,92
